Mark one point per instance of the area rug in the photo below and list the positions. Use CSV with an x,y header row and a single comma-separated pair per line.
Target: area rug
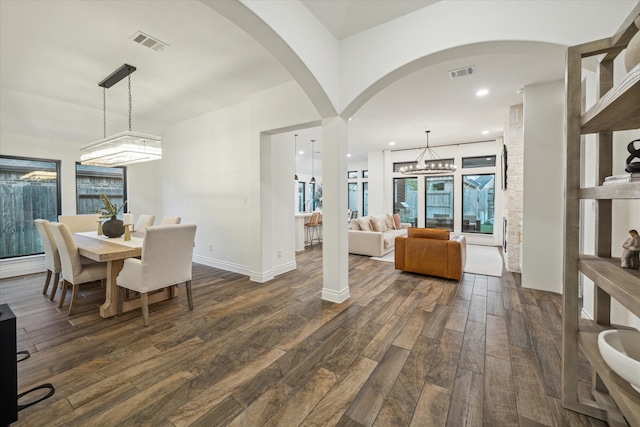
x,y
483,260
480,260
390,257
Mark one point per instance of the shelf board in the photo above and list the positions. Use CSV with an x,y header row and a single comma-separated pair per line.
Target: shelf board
x,y
622,284
618,109
627,399
625,190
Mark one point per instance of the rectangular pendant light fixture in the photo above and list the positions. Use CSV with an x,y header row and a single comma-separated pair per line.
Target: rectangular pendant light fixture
x,y
124,148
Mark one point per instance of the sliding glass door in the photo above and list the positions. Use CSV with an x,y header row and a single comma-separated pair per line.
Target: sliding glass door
x,y
478,194
405,199
439,202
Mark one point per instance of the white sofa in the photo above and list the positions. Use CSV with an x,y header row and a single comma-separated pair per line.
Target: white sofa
x,y
375,235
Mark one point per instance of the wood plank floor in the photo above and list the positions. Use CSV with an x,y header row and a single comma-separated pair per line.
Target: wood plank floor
x,y
404,350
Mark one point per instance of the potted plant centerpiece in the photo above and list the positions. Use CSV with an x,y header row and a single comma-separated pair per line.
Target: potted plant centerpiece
x,y
113,227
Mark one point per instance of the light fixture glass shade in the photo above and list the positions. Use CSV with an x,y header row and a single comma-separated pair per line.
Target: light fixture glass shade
x,y
122,149
429,168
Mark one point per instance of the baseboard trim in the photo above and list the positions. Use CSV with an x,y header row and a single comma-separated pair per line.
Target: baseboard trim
x,y
284,268
336,297
222,265
254,276
13,267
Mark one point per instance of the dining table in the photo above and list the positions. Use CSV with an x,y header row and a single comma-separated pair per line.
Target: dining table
x,y
114,251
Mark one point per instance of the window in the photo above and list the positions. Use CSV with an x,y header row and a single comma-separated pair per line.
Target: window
x,y
365,174
352,175
93,181
478,162
301,196
310,202
439,200
315,196
30,190
405,199
352,196
365,198
478,193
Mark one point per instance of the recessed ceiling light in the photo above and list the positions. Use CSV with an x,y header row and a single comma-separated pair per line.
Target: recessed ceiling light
x,y
348,155
392,143
482,92
300,152
485,132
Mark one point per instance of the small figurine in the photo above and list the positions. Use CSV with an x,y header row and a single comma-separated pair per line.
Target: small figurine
x,y
631,251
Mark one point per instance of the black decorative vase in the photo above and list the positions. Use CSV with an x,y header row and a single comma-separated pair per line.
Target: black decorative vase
x,y
113,227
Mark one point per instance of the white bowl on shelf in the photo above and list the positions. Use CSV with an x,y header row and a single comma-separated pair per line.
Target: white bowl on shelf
x,y
621,351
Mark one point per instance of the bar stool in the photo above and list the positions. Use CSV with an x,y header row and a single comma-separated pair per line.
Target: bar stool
x,y
312,226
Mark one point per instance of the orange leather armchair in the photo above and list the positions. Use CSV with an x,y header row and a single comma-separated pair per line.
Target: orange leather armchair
x,y
431,251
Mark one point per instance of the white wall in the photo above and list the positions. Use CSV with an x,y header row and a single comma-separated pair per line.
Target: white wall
x,y
542,223
214,180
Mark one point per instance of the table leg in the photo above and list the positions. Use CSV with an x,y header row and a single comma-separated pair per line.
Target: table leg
x,y
110,306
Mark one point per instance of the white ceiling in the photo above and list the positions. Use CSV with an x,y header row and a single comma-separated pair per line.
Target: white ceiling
x,y
345,18
62,49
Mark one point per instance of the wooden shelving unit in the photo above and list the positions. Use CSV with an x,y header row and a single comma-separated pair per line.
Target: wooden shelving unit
x,y
618,108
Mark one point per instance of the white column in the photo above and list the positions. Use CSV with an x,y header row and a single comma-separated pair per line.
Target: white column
x,y
262,263
335,251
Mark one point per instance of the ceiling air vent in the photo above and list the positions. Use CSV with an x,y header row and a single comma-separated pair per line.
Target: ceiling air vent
x,y
461,72
148,41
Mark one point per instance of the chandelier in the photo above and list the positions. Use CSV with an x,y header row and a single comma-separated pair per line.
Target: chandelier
x,y
429,166
124,148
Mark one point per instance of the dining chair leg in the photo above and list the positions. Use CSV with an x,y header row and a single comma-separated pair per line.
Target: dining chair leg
x,y
189,297
46,282
145,308
56,280
74,296
64,293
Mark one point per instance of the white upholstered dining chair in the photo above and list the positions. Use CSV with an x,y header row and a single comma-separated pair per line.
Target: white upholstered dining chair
x,y
74,271
170,220
143,222
51,254
167,252
80,223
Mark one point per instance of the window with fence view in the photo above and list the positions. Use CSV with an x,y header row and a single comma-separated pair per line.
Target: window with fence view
x,y
439,202
93,181
30,189
478,194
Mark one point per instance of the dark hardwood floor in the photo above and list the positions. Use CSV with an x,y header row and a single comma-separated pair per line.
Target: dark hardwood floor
x,y
404,350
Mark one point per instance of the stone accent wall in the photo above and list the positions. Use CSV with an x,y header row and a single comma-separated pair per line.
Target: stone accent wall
x,y
513,199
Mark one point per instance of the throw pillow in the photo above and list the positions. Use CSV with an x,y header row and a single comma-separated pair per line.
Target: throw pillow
x,y
391,225
376,224
365,224
396,220
382,222
355,225
429,233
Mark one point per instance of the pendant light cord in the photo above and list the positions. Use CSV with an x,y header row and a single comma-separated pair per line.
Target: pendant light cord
x,y
104,111
129,102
